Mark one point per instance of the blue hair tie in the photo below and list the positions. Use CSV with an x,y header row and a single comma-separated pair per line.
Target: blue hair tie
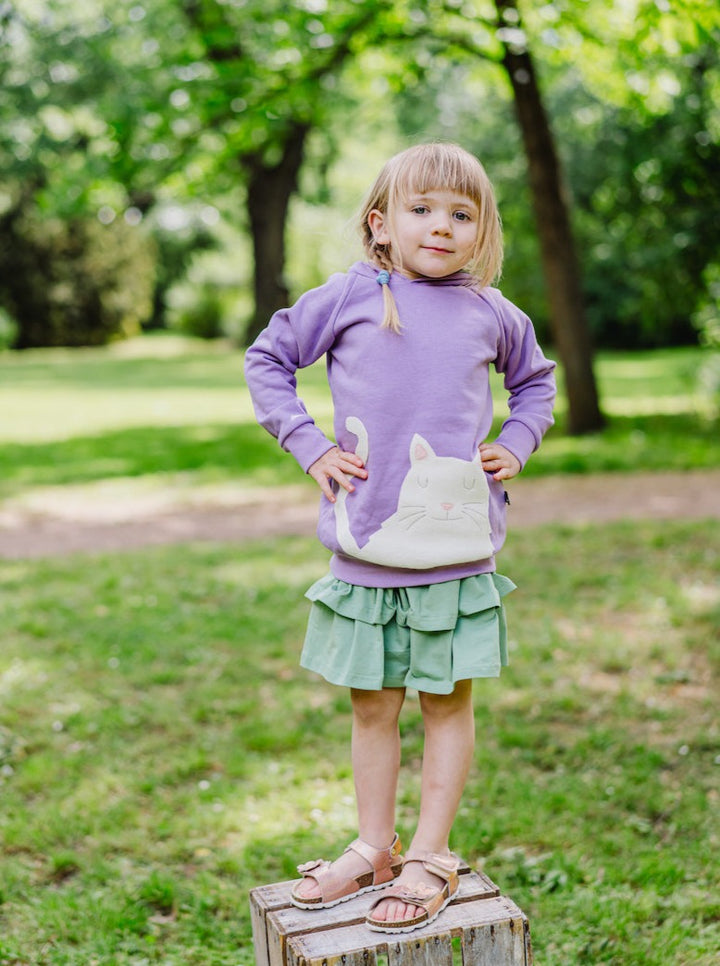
x,y
383,277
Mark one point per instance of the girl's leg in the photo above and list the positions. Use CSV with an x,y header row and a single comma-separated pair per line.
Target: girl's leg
x,y
449,745
376,763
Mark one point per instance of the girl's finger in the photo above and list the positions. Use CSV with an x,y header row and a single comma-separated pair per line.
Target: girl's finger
x,y
325,487
352,458
342,480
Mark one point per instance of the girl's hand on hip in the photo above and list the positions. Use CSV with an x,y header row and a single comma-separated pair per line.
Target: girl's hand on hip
x,y
337,465
499,461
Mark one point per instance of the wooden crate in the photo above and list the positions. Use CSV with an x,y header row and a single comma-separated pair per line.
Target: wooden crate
x,y
489,930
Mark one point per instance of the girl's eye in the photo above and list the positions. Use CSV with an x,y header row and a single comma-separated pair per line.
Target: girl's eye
x,y
420,209
462,216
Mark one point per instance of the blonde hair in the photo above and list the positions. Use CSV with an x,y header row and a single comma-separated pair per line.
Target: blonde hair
x,y
429,167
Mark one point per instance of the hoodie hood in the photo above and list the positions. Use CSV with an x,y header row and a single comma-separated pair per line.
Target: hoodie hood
x,y
367,270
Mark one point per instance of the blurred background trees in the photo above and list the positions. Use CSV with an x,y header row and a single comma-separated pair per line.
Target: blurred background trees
x,y
195,163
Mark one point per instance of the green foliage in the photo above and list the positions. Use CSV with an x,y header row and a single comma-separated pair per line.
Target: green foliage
x,y
81,87
8,329
121,107
177,248
203,317
76,282
643,162
647,193
637,131
71,271
707,321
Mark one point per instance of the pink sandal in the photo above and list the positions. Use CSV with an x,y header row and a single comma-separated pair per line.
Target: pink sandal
x,y
385,865
432,899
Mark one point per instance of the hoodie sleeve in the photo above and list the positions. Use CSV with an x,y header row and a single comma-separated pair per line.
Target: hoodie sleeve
x,y
294,338
529,380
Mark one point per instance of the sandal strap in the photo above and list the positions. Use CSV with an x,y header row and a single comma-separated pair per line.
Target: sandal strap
x,y
333,885
444,866
426,897
379,860
430,898
414,893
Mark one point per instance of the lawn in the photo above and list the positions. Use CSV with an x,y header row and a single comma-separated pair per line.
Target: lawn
x,y
175,413
161,752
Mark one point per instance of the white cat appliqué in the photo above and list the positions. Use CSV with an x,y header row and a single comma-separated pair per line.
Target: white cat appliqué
x,y
442,515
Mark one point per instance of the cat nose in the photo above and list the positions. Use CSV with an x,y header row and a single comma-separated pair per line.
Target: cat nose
x,y
447,506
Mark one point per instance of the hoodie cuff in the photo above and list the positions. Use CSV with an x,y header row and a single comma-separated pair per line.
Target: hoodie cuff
x,y
307,444
519,439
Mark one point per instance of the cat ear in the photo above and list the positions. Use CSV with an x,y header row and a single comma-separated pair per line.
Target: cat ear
x,y
420,449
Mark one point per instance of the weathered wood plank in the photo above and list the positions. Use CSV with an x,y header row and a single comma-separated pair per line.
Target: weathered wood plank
x,y
494,929
421,951
273,896
262,900
289,920
297,955
498,943
528,943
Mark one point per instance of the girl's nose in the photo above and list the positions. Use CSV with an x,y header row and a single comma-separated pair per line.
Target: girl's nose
x,y
443,225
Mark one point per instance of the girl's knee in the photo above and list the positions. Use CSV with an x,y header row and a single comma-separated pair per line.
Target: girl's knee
x,y
459,701
377,706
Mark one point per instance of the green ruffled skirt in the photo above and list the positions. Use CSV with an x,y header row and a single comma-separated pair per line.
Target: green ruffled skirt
x,y
426,638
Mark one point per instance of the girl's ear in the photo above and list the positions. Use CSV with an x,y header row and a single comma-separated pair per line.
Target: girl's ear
x,y
377,222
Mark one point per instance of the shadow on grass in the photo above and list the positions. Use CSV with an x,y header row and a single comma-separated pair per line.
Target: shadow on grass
x,y
245,451
204,368
663,442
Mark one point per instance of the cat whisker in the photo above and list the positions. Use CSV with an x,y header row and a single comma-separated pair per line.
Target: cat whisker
x,y
408,520
410,511
475,515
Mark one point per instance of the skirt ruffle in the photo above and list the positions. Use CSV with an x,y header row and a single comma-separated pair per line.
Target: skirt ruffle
x,y
426,638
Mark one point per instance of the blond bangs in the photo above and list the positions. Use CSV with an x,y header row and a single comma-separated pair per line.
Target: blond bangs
x,y
430,167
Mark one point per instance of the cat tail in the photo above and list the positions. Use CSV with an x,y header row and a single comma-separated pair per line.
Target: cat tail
x,y
342,521
357,428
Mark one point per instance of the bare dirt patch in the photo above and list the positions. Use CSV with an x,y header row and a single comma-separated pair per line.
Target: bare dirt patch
x,y
68,521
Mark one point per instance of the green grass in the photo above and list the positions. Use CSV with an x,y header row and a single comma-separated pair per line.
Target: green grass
x,y
161,752
170,410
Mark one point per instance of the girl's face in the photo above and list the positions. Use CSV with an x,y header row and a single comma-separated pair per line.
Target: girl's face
x,y
432,234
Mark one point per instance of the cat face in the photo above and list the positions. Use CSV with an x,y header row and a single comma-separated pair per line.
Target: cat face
x,y
442,488
442,514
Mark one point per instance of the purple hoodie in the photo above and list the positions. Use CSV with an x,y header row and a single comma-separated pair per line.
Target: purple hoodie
x,y
416,406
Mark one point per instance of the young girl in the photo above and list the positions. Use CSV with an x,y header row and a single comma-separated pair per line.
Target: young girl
x,y
413,505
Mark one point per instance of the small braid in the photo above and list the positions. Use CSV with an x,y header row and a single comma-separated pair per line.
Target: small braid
x,y
380,255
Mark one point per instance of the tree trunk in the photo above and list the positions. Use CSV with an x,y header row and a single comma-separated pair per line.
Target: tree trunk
x,y
561,267
268,195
